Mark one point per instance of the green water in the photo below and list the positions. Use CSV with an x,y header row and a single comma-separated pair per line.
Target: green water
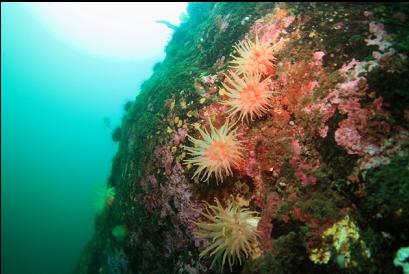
x,y
55,149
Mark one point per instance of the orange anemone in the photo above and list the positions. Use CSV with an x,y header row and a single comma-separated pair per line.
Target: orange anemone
x,y
248,96
216,153
254,58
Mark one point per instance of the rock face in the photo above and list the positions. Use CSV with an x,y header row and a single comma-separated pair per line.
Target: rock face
x,y
317,151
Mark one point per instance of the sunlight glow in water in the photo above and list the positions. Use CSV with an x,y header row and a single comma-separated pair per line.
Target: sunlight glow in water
x,y
115,30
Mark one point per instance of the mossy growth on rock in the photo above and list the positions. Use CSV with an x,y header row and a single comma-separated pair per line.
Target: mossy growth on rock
x,y
117,134
387,202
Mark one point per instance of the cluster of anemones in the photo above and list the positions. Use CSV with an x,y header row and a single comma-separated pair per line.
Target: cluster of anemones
x,y
248,95
247,84
233,230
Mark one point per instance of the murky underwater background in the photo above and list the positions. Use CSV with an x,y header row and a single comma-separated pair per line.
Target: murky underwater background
x,y
56,148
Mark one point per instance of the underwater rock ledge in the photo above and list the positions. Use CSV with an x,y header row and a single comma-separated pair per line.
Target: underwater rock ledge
x,y
273,138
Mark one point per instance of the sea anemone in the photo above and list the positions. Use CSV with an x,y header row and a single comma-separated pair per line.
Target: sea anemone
x,y
216,153
254,58
247,96
105,198
120,232
233,232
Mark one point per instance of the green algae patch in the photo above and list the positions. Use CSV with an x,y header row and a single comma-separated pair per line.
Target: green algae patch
x,y
120,232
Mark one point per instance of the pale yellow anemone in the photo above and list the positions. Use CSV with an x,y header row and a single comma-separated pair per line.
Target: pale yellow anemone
x,y
232,232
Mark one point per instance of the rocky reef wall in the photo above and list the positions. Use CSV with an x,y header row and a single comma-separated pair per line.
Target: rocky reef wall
x,y
272,139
